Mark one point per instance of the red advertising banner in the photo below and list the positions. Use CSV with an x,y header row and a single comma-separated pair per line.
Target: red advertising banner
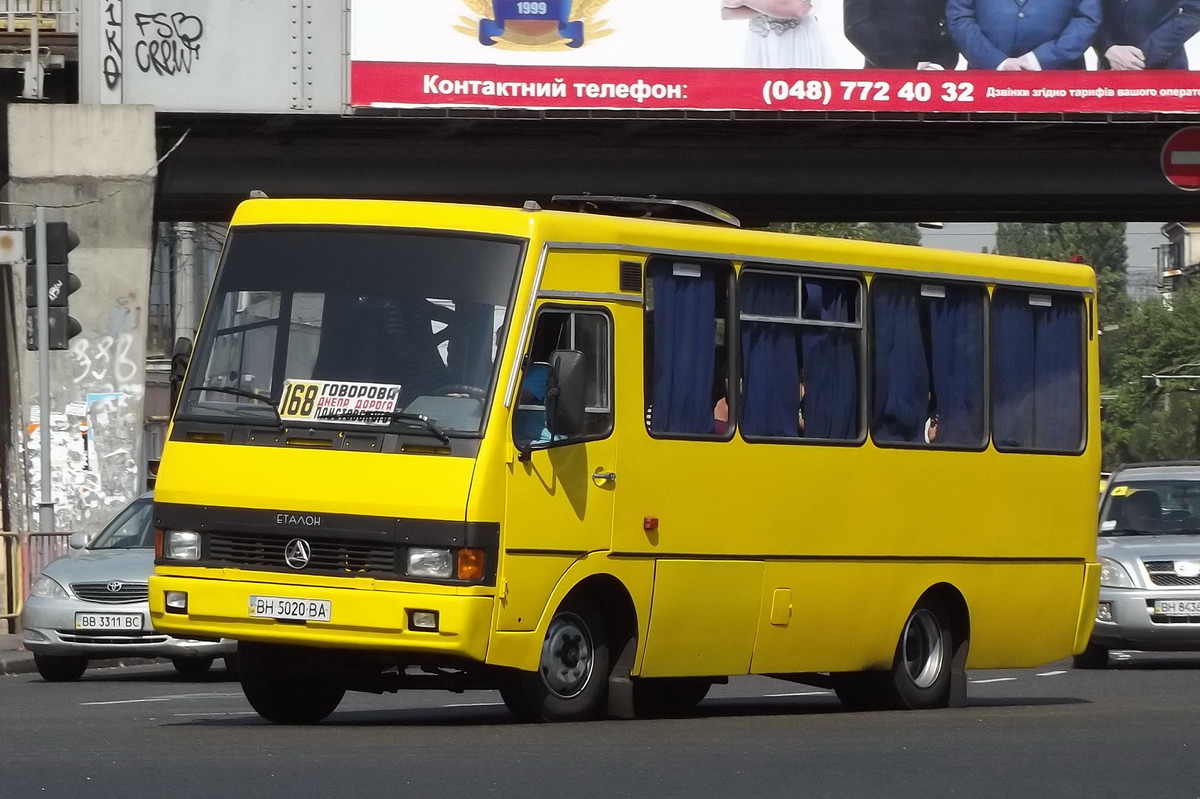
x,y
425,85
919,56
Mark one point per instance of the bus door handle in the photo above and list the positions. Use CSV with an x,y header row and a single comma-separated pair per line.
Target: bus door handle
x,y
601,477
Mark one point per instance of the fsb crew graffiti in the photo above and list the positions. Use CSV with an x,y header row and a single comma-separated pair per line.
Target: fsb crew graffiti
x,y
169,43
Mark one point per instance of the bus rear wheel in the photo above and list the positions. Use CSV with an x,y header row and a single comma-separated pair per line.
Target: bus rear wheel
x,y
284,689
921,668
571,683
920,676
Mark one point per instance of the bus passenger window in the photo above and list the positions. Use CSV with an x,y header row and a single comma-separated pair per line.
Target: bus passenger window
x,y
801,337
928,363
687,373
586,332
1037,371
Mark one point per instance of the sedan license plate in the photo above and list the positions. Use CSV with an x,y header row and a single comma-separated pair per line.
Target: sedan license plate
x,y
108,621
282,607
1177,607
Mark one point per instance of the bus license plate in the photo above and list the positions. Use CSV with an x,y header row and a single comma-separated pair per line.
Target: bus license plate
x,y
108,621
282,607
1177,607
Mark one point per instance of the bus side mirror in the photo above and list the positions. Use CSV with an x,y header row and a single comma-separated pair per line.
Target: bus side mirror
x,y
179,364
565,392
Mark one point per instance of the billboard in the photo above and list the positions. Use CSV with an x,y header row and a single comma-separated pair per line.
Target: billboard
x,y
956,56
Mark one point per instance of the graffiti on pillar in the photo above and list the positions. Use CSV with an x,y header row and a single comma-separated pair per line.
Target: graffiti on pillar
x,y
168,44
113,16
105,363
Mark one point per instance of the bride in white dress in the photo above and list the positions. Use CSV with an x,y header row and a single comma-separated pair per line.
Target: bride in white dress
x,y
783,33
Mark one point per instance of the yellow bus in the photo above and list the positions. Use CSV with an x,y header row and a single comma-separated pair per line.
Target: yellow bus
x,y
602,462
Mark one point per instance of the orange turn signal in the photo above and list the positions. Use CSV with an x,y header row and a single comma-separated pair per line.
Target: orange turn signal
x,y
470,564
158,542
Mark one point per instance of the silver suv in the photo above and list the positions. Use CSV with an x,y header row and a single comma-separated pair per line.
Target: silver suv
x,y
1149,551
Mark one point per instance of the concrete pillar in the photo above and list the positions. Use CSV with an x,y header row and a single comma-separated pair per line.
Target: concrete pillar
x,y
93,167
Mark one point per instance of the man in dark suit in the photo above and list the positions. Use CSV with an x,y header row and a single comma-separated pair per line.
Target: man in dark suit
x,y
1146,34
901,34
1023,34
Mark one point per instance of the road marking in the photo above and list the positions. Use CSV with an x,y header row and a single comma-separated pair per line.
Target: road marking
x,y
994,679
1051,673
237,713
170,698
799,693
476,704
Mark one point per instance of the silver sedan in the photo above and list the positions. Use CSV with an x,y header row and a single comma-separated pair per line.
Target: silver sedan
x,y
1149,551
91,603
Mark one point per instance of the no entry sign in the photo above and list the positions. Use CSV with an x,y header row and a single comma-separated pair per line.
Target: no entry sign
x,y
1181,159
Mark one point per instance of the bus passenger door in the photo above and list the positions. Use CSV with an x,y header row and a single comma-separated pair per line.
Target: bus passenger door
x,y
560,492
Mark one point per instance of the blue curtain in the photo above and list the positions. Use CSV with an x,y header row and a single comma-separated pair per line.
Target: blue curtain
x,y
1012,369
830,362
901,369
685,325
1037,372
770,357
1058,375
956,333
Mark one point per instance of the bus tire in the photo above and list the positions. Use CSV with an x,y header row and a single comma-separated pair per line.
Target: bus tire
x,y
669,696
571,682
1094,657
60,668
284,691
920,675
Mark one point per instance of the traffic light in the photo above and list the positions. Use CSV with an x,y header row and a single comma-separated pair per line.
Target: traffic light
x,y
60,283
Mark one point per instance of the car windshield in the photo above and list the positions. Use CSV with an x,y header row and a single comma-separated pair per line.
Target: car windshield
x,y
1152,507
353,327
129,530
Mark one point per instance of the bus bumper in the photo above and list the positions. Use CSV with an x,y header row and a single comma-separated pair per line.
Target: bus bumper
x,y
358,619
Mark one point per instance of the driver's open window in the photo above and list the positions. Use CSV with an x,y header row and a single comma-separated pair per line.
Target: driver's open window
x,y
588,332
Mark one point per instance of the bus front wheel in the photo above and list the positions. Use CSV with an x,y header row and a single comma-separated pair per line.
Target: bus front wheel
x,y
571,683
284,687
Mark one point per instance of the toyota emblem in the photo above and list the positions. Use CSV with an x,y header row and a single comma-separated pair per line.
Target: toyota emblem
x,y
297,553
115,586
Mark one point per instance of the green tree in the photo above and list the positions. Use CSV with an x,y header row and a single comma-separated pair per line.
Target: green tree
x,y
1149,413
891,232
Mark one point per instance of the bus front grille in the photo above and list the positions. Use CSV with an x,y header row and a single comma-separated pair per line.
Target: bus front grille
x,y
338,557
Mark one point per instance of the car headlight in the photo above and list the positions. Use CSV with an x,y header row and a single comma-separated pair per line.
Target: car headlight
x,y
47,587
426,562
181,545
1114,575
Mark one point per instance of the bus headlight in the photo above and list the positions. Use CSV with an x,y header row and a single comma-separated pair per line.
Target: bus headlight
x,y
1114,575
181,545
426,562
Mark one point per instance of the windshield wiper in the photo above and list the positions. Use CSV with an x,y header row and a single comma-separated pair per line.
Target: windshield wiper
x,y
393,416
241,392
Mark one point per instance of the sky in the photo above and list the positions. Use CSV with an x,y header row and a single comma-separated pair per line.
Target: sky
x,y
1140,237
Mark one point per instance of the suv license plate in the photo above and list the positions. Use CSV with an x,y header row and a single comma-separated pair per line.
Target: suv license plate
x,y
1177,607
108,621
282,607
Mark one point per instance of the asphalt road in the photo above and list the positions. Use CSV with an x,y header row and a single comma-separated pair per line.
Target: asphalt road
x,y
1132,731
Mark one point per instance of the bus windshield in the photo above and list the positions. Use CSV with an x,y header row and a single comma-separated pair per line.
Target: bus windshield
x,y
351,327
